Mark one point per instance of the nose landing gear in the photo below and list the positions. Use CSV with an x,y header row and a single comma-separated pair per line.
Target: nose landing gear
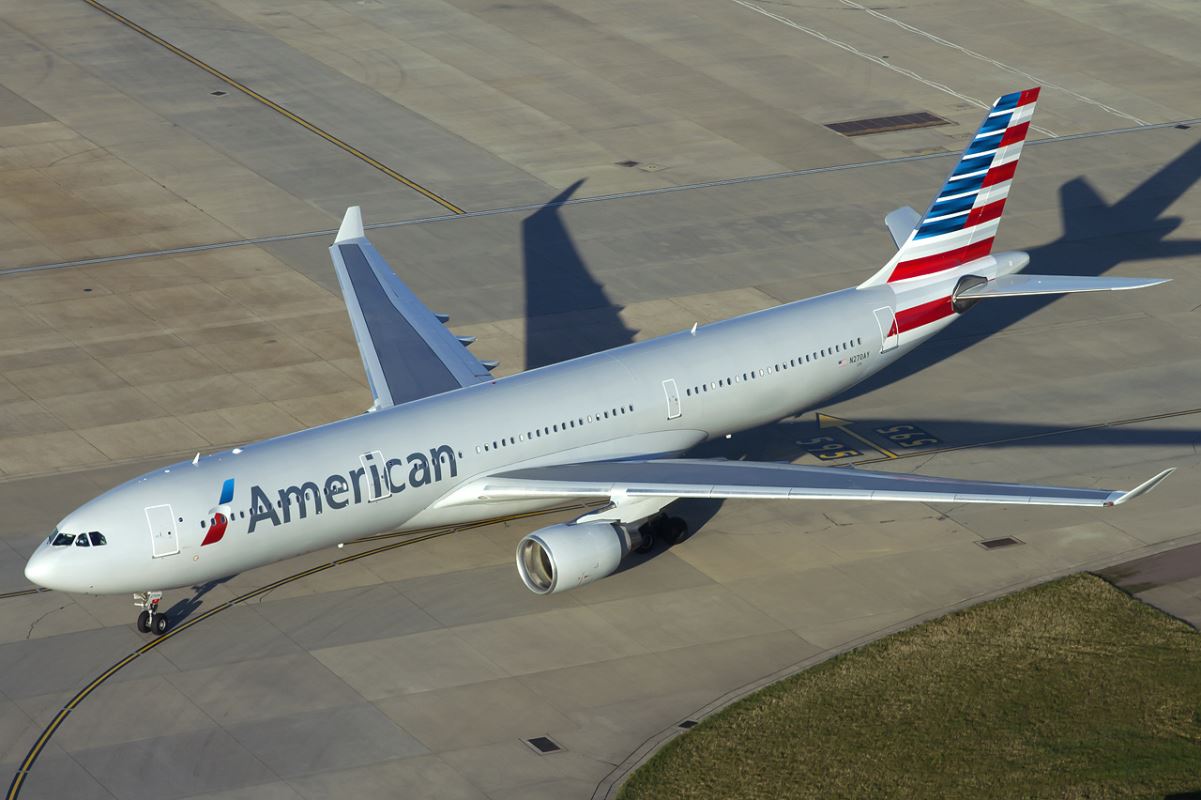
x,y
151,619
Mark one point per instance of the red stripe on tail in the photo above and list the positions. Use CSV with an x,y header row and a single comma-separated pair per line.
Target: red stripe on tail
x,y
984,213
927,265
1000,174
924,314
1028,97
1015,134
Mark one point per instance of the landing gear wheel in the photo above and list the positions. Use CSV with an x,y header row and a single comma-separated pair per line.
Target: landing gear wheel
x,y
150,619
673,530
161,623
647,534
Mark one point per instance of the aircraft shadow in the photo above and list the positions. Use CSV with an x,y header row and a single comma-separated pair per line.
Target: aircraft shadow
x,y
189,605
1096,238
558,287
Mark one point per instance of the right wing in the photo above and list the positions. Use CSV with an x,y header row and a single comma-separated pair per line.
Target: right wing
x,y
407,352
750,479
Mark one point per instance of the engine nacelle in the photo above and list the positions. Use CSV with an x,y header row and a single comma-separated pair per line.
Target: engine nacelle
x,y
566,556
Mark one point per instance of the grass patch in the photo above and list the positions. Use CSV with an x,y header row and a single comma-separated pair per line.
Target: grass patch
x,y
1071,689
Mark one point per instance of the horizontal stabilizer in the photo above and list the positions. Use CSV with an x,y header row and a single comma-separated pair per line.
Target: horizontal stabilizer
x,y
901,223
1019,285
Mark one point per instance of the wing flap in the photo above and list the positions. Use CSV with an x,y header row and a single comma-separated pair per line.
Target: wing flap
x,y
407,352
755,480
1020,285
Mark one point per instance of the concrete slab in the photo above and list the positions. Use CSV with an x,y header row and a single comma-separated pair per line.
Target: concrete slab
x,y
174,766
330,739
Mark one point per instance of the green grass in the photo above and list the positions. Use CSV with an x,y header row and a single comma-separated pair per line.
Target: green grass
x,y
1071,689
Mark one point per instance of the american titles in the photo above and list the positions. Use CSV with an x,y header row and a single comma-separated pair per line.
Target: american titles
x,y
376,479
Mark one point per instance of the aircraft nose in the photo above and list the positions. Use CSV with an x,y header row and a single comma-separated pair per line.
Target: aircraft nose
x,y
38,569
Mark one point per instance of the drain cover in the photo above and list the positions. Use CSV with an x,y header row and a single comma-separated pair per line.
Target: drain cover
x,y
218,93
543,744
899,122
1004,541
688,723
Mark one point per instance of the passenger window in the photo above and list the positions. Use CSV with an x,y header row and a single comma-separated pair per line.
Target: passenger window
x,y
97,538
688,392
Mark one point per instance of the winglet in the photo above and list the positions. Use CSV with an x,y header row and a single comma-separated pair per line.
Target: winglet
x,y
1142,488
352,226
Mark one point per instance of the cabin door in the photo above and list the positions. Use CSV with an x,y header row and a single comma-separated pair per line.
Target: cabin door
x,y
672,393
164,540
890,335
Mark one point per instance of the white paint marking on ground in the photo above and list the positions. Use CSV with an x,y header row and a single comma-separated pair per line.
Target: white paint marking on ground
x,y
850,48
1033,79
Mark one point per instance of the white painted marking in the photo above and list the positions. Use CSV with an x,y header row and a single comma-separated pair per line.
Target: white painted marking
x,y
850,48
1034,79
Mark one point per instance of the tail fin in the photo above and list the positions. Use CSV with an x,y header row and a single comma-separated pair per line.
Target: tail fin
x,y
959,226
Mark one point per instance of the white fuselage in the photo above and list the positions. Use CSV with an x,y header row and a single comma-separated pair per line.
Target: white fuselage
x,y
389,470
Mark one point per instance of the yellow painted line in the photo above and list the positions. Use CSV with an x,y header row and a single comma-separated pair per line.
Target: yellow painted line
x,y
827,421
888,454
276,107
416,537
23,592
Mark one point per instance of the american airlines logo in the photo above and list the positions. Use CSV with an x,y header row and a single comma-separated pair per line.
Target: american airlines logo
x,y
219,516
375,479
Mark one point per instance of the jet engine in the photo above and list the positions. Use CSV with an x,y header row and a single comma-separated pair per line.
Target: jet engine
x,y
570,555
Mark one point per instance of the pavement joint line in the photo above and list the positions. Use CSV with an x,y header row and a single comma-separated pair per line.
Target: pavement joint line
x,y
274,106
989,60
415,537
877,60
600,198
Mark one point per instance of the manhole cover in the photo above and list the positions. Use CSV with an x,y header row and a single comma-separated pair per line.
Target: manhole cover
x,y
1004,541
543,744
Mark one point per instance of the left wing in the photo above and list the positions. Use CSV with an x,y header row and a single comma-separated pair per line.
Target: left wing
x,y
407,351
749,479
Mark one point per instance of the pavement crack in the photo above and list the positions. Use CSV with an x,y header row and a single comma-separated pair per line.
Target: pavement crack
x,y
34,624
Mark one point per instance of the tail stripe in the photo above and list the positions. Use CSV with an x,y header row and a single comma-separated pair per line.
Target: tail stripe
x,y
961,222
969,165
940,261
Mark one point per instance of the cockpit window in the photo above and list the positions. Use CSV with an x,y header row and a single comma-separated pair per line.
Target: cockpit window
x,y
63,539
97,538
82,540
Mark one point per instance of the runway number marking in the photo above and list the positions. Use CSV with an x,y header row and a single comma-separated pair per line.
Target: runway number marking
x,y
827,448
909,437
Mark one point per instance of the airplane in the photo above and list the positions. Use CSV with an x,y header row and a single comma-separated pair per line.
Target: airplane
x,y
446,443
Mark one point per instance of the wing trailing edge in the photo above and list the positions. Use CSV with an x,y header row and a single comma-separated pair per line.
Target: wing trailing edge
x,y
756,480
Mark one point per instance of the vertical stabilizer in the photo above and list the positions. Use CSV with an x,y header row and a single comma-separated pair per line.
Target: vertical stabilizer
x,y
959,226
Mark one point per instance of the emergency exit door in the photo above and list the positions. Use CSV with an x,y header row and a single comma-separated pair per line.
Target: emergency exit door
x,y
164,539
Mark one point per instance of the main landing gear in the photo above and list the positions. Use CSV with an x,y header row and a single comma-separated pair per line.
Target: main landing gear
x,y
151,619
669,529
